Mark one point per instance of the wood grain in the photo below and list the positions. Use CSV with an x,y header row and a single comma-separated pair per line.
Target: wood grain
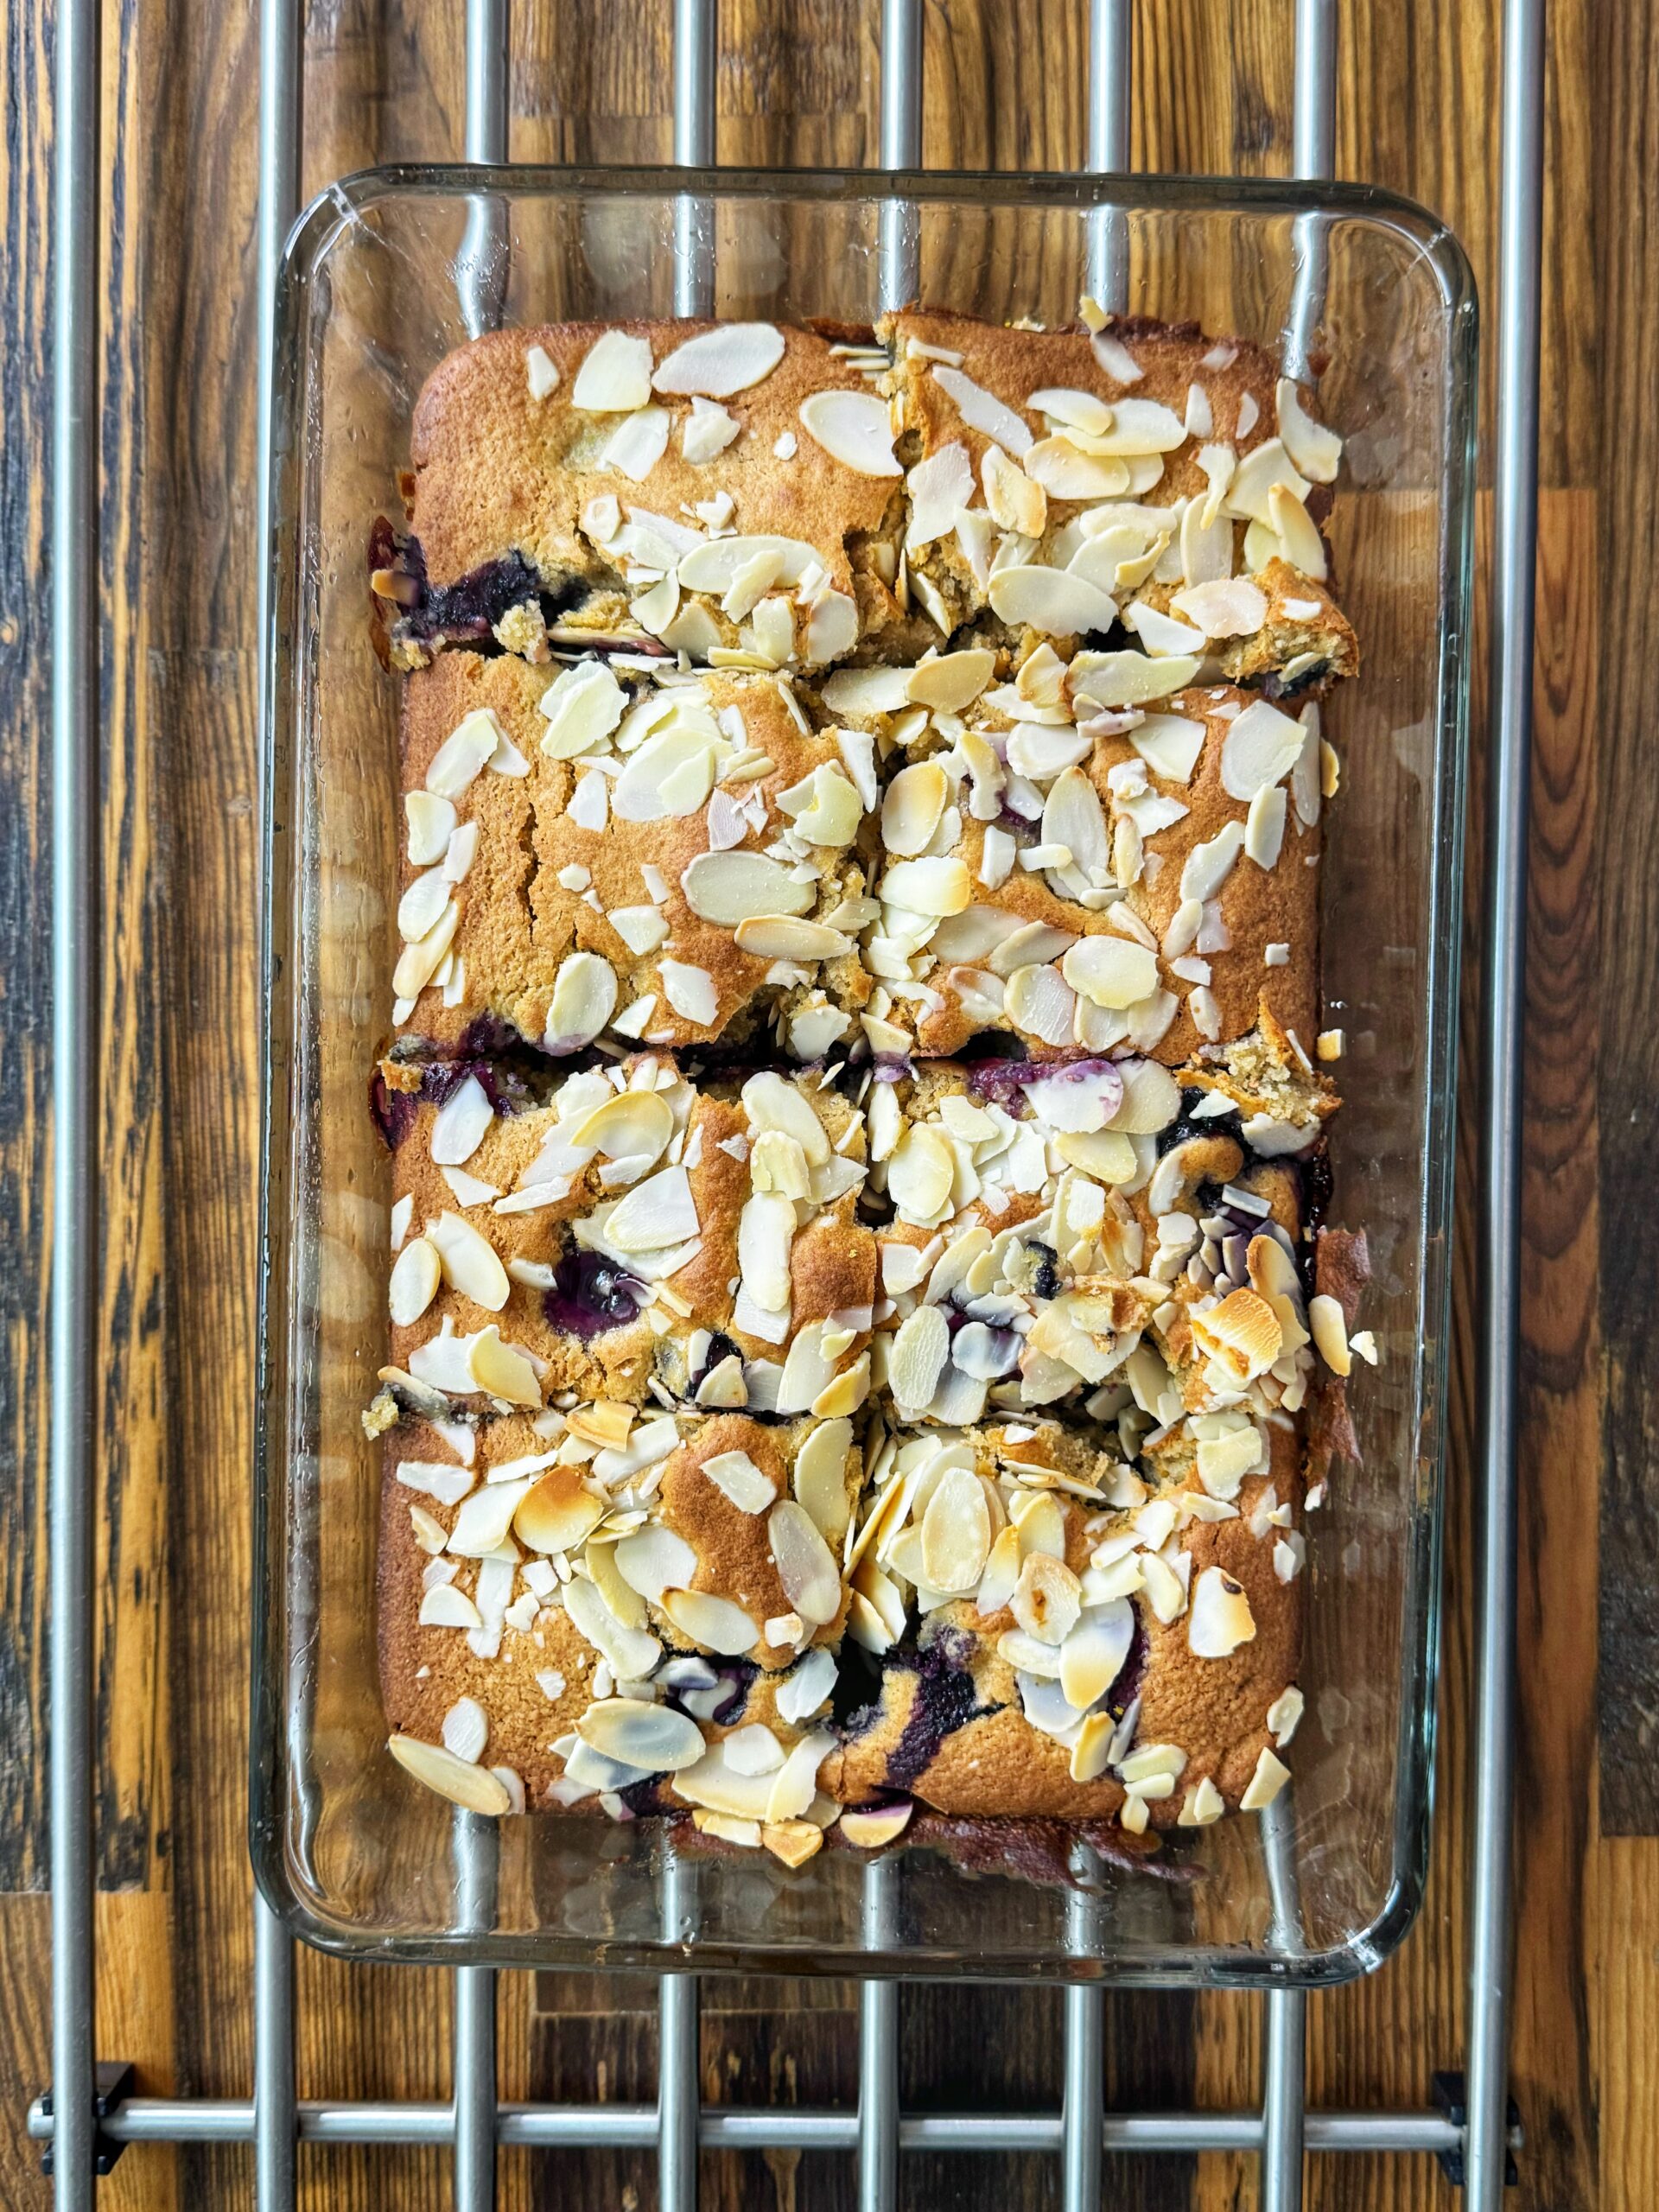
x,y
797,83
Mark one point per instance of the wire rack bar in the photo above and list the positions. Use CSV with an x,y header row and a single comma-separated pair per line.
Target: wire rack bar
x,y
678,2098
696,29
1515,529
75,855
570,2128
1111,86
878,2049
477,1849
901,144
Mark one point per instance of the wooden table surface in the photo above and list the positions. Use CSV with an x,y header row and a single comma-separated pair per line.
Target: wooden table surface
x,y
1006,88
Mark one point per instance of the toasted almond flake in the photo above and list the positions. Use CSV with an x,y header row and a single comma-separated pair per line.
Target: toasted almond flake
x,y
630,1124
712,566
445,1606
852,427
1116,359
733,357
642,929
1140,428
1206,546
655,1736
1219,1618
1170,746
1053,600
736,887
956,1535
884,1824
615,377
466,1730
919,1175
1046,1601
792,1841
737,1478
1329,1330
461,1123
1014,501
983,411
950,682
1314,450
773,1102
464,754
824,806
1264,828
584,998
932,886
766,1232
476,1788
1330,1045
1269,1778
558,1512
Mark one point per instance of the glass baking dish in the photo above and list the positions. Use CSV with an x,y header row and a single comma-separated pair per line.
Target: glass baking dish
x,y
356,1856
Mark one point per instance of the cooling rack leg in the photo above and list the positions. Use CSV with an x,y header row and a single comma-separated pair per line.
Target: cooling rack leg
x,y
1281,2104
901,144
1313,155
878,2048
1082,2117
74,1086
276,2122
697,24
1110,85
478,1843
1515,525
677,2099
481,263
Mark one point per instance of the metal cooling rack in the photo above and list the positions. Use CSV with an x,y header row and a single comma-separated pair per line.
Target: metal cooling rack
x,y
86,2117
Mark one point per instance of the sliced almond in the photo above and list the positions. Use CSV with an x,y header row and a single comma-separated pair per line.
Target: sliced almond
x,y
1269,1778
806,1566
1208,866
772,1103
1093,1654
737,1478
583,704
1050,600
956,1530
738,887
1170,746
984,412
1296,531
912,807
732,357
792,1841
1329,1328
1263,466
655,1736
1129,679
1262,745
1047,1600
502,1369
690,991
430,820
637,444
1219,1617
669,777
558,1512
1110,971
445,1606
419,963
854,429
1314,450
950,682
1066,471
708,430
460,1781
917,1358
920,1175
415,1274
1091,1752
819,1478
615,375
630,1652
464,753
825,806
1233,608
933,886
1141,427
655,1214
764,1233
1041,1002
583,1001
713,566
471,1263
711,1621
1073,817
1015,502
883,1824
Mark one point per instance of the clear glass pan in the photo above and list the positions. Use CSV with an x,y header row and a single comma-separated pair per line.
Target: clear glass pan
x,y
356,1856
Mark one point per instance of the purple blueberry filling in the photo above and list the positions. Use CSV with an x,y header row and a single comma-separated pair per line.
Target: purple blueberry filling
x,y
391,1111
1007,1081
590,1294
946,1698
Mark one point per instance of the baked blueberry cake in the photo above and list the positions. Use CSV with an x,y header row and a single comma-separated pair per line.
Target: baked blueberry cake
x,y
863,1329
